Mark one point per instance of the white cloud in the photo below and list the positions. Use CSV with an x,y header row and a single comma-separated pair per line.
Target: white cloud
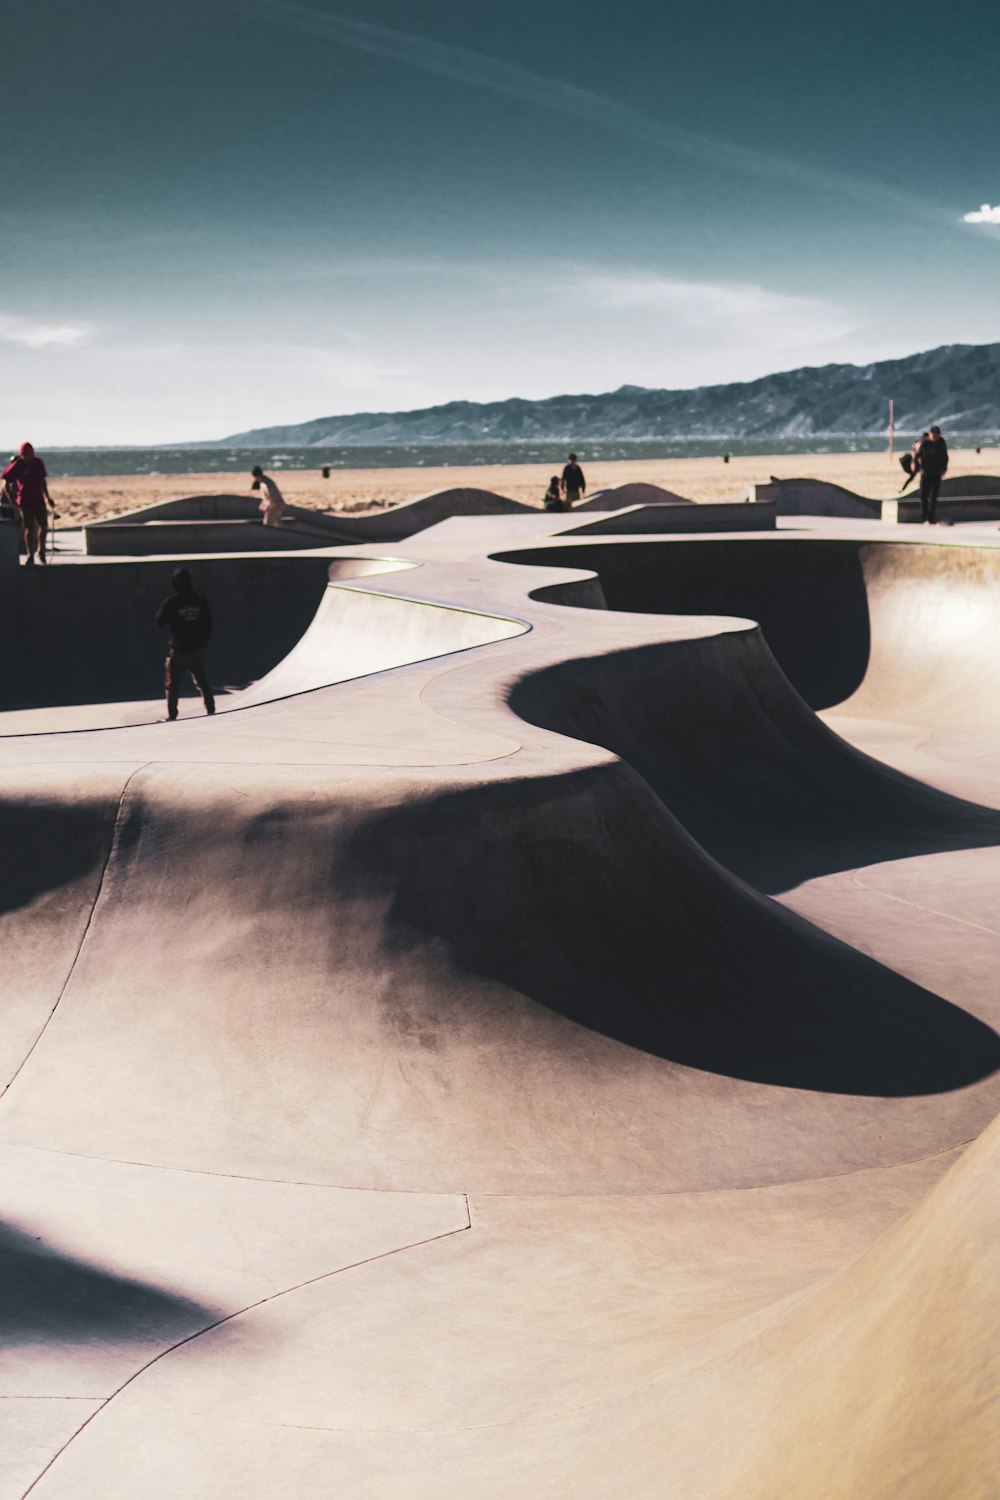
x,y
728,312
15,330
983,215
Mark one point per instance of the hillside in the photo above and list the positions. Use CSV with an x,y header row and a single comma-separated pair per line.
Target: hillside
x,y
957,385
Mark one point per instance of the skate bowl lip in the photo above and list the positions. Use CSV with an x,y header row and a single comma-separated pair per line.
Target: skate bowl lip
x,y
517,627
548,582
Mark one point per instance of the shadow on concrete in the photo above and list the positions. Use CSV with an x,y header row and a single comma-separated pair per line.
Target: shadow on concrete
x,y
47,1296
738,758
582,893
810,598
48,846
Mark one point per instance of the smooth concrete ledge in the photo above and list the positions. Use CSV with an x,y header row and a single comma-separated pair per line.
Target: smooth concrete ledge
x,y
174,538
618,497
962,498
665,519
416,1087
390,524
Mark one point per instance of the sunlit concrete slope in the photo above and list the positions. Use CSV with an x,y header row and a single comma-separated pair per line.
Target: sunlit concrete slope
x,y
397,522
356,632
412,1089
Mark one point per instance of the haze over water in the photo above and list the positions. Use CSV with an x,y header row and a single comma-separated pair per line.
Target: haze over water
x,y
66,462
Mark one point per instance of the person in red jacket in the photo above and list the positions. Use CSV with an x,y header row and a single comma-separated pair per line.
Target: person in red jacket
x,y
28,481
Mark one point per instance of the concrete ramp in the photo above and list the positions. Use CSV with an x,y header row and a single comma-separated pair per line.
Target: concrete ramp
x,y
400,521
620,496
412,1088
661,520
817,497
207,523
356,633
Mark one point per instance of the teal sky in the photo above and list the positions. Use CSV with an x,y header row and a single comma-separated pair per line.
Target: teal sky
x,y
236,212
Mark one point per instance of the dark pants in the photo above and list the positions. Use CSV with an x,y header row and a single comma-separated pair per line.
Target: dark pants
x,y
929,486
179,663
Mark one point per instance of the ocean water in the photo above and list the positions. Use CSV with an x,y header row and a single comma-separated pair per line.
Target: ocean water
x,y
66,462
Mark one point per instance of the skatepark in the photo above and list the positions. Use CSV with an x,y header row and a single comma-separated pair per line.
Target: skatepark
x,y
540,1038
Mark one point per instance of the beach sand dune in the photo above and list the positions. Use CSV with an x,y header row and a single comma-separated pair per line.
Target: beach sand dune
x,y
347,490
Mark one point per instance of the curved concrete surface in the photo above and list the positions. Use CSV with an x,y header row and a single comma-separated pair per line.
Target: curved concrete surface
x,y
203,523
397,522
971,497
619,496
412,1089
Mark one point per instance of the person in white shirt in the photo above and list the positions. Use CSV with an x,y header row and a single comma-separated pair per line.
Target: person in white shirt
x,y
272,506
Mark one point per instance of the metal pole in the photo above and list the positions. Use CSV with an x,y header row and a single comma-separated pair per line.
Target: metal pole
x,y
892,430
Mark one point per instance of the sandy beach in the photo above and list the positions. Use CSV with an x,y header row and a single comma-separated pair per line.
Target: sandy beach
x,y
347,490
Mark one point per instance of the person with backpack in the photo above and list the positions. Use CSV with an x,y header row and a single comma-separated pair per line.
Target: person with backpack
x,y
189,619
26,480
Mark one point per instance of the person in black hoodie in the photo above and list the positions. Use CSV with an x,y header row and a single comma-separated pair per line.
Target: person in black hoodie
x,y
573,483
932,460
189,619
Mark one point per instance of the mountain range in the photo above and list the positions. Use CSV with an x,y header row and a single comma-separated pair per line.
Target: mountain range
x,y
956,386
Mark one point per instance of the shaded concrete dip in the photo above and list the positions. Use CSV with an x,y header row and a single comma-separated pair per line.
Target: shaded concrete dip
x,y
540,1038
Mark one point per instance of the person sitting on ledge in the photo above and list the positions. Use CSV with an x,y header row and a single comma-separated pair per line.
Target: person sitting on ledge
x,y
189,619
273,506
553,495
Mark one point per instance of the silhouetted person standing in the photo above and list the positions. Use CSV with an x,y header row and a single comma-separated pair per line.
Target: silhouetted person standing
x,y
26,479
573,483
189,619
932,460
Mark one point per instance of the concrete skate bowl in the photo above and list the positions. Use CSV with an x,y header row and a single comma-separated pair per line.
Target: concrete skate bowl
x,y
461,1128
733,752
282,627
854,625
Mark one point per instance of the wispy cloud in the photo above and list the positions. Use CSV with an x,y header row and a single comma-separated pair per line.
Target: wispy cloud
x,y
15,330
740,311
984,215
557,96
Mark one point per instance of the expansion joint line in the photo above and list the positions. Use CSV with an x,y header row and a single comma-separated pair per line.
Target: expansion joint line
x,y
112,846
241,1312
